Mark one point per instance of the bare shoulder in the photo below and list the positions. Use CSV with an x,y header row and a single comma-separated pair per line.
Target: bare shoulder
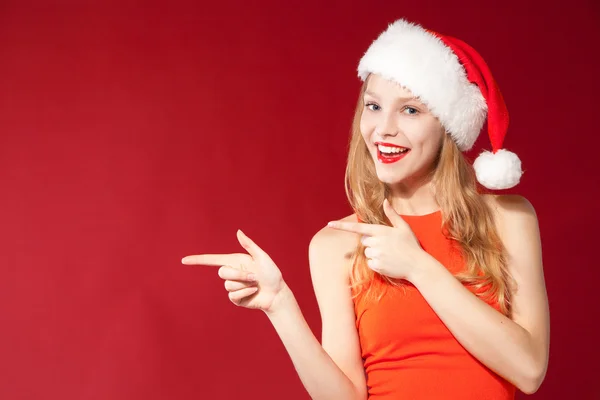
x,y
327,233
511,209
333,245
517,225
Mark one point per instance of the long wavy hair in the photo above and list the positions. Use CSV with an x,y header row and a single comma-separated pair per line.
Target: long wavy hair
x,y
466,219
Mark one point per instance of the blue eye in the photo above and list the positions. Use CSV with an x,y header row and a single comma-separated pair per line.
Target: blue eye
x,y
375,107
412,111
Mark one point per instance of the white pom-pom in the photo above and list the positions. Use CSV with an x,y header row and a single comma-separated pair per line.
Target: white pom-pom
x,y
498,171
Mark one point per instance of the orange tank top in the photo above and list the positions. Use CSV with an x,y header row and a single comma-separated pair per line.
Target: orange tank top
x,y
408,353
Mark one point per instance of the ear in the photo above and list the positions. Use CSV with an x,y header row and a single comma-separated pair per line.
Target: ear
x,y
393,216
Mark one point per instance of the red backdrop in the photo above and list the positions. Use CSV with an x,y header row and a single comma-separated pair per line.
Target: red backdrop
x,y
133,134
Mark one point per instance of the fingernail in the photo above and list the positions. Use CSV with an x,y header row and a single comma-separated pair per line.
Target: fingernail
x,y
331,224
251,277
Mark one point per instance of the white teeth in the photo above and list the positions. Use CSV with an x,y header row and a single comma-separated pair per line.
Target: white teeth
x,y
391,150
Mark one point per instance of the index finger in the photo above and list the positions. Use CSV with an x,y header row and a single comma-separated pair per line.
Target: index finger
x,y
356,227
211,259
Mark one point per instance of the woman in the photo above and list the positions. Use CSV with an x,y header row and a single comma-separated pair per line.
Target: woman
x,y
432,289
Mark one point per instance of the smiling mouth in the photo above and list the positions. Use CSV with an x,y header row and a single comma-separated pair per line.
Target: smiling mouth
x,y
388,153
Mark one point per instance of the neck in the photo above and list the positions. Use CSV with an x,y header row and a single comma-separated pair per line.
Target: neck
x,y
415,199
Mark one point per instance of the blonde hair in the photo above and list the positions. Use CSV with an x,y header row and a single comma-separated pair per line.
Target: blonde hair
x,y
466,218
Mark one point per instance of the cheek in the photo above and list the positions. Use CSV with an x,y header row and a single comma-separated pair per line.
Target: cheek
x,y
427,137
365,130
367,124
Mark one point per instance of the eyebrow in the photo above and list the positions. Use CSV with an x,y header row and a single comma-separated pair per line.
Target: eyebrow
x,y
402,99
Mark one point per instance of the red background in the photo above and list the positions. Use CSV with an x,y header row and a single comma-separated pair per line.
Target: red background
x,y
133,134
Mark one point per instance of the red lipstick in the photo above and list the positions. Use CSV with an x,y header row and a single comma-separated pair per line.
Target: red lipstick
x,y
389,158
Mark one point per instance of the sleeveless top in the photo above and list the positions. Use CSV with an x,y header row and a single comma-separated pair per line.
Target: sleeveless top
x,y
408,353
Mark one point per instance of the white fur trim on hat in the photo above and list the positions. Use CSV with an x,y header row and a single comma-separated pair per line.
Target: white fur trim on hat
x,y
419,61
501,170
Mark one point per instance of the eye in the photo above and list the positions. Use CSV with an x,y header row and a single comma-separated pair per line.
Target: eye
x,y
410,110
372,106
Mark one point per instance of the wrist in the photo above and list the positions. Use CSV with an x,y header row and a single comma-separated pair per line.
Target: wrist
x,y
426,266
283,300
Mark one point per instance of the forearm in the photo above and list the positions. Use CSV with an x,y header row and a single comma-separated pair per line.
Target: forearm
x,y
319,374
494,339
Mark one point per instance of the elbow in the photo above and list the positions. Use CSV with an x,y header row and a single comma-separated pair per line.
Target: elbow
x,y
532,380
529,387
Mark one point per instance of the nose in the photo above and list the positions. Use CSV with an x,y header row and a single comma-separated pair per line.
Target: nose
x,y
386,126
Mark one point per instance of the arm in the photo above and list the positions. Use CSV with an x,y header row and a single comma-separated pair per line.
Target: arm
x,y
333,370
516,349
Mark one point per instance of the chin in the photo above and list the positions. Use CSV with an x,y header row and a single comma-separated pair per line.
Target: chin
x,y
389,179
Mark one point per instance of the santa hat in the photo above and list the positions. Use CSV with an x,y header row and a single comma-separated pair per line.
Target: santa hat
x,y
453,80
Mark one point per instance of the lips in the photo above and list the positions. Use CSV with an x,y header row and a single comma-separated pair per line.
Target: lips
x,y
389,154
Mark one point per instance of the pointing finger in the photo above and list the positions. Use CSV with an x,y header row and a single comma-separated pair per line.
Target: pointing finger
x,y
211,259
357,227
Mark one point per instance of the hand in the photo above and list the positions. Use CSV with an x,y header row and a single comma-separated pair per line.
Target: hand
x,y
253,281
391,251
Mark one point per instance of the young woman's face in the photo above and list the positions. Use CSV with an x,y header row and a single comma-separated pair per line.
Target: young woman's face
x,y
401,134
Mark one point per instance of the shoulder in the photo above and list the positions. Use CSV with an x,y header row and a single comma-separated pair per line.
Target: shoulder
x,y
511,209
329,245
328,236
516,222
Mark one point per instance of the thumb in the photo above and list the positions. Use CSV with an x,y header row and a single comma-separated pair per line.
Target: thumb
x,y
393,216
251,247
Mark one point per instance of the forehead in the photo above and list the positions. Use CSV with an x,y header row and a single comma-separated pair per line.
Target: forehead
x,y
381,86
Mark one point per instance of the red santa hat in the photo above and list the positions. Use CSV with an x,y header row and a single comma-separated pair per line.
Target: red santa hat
x,y
453,80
